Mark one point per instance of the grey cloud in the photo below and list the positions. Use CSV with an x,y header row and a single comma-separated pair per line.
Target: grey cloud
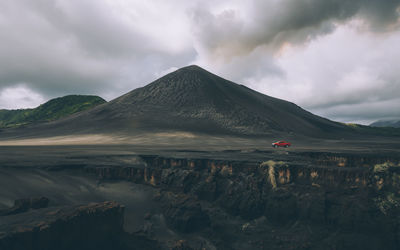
x,y
273,23
63,47
365,112
90,25
370,94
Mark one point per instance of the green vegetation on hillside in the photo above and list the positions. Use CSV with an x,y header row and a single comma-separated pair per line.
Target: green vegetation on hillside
x,y
49,111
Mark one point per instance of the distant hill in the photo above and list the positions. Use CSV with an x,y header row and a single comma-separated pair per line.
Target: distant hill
x,y
369,130
49,111
195,100
386,123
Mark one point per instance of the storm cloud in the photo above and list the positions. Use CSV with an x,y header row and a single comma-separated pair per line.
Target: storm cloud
x,y
336,58
61,47
275,23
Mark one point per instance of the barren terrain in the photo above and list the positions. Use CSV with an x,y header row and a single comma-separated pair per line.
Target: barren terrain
x,y
188,162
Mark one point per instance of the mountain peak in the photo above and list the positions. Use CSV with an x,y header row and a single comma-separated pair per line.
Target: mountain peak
x,y
193,99
189,74
186,86
192,67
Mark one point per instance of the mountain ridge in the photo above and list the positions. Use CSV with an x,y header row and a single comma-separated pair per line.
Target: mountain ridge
x,y
195,100
394,123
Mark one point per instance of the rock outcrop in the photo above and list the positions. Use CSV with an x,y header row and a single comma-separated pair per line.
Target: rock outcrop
x,y
344,202
23,205
92,226
184,213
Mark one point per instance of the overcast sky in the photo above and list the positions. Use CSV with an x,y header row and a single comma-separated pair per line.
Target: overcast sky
x,y
336,58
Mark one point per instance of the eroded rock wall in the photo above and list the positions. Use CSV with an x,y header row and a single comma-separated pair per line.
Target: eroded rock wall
x,y
92,226
348,200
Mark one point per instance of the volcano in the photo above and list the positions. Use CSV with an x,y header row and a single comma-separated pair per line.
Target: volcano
x,y
195,100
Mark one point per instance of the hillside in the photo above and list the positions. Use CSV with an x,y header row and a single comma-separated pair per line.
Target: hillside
x,y
195,100
49,111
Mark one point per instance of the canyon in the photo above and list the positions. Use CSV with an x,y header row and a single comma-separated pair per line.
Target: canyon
x,y
194,199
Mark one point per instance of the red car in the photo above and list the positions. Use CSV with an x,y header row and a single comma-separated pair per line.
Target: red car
x,y
281,144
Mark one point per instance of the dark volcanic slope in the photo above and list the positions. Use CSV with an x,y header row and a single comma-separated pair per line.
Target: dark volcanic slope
x,y
193,99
